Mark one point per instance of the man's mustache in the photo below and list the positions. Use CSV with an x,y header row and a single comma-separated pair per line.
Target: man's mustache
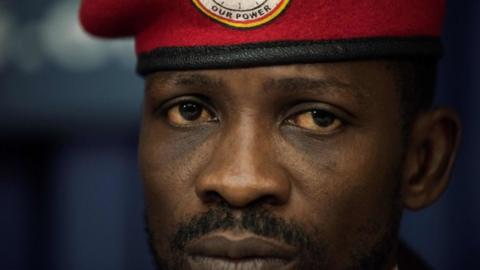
x,y
254,220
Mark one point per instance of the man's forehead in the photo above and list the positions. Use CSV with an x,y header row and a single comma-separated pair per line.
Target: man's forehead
x,y
274,76
332,71
344,78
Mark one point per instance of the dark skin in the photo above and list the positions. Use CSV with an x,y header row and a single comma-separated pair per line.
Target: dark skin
x,y
318,148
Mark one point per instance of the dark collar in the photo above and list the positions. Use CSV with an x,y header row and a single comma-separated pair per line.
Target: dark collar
x,y
409,260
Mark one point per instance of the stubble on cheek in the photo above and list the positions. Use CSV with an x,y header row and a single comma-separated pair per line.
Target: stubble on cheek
x,y
374,236
360,210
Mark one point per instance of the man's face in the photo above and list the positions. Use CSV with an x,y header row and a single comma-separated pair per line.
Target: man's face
x,y
284,167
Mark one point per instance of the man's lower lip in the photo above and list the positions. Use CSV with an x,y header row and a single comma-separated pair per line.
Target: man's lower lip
x,y
254,263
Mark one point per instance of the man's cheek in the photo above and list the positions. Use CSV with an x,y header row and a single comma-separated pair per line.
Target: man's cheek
x,y
170,191
346,198
170,199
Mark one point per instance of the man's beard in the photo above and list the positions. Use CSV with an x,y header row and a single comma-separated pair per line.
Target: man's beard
x,y
313,248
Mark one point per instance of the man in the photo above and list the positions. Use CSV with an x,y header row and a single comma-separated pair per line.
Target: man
x,y
285,134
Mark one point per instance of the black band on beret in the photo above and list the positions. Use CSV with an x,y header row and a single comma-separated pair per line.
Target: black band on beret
x,y
286,52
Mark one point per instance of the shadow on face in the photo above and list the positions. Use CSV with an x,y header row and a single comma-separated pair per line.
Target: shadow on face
x,y
287,167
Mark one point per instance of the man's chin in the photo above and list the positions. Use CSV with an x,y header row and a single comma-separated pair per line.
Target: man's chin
x,y
188,262
260,263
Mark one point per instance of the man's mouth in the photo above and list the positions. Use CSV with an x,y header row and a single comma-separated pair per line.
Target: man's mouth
x,y
239,251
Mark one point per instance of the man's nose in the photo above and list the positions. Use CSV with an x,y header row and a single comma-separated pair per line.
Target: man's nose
x,y
243,171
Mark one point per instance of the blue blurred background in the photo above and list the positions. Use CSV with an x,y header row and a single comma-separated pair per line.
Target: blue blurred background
x,y
70,193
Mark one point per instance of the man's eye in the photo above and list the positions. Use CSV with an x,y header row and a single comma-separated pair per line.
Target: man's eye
x,y
188,113
316,120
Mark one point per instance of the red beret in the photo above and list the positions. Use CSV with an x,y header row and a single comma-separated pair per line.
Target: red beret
x,y
196,34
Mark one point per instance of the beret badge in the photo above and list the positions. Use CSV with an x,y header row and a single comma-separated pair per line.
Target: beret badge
x,y
242,13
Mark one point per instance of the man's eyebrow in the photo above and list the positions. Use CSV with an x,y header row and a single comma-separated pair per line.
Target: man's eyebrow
x,y
193,80
297,85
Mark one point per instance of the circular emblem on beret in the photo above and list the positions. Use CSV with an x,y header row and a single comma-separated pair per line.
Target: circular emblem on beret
x,y
242,13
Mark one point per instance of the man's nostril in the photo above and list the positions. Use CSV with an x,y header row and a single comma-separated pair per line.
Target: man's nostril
x,y
212,197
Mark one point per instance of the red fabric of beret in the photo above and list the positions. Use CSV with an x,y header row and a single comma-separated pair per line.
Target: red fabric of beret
x,y
196,34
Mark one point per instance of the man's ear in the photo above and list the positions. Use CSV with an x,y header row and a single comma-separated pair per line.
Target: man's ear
x,y
430,154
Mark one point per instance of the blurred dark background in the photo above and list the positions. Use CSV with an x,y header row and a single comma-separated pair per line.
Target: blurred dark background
x,y
70,193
